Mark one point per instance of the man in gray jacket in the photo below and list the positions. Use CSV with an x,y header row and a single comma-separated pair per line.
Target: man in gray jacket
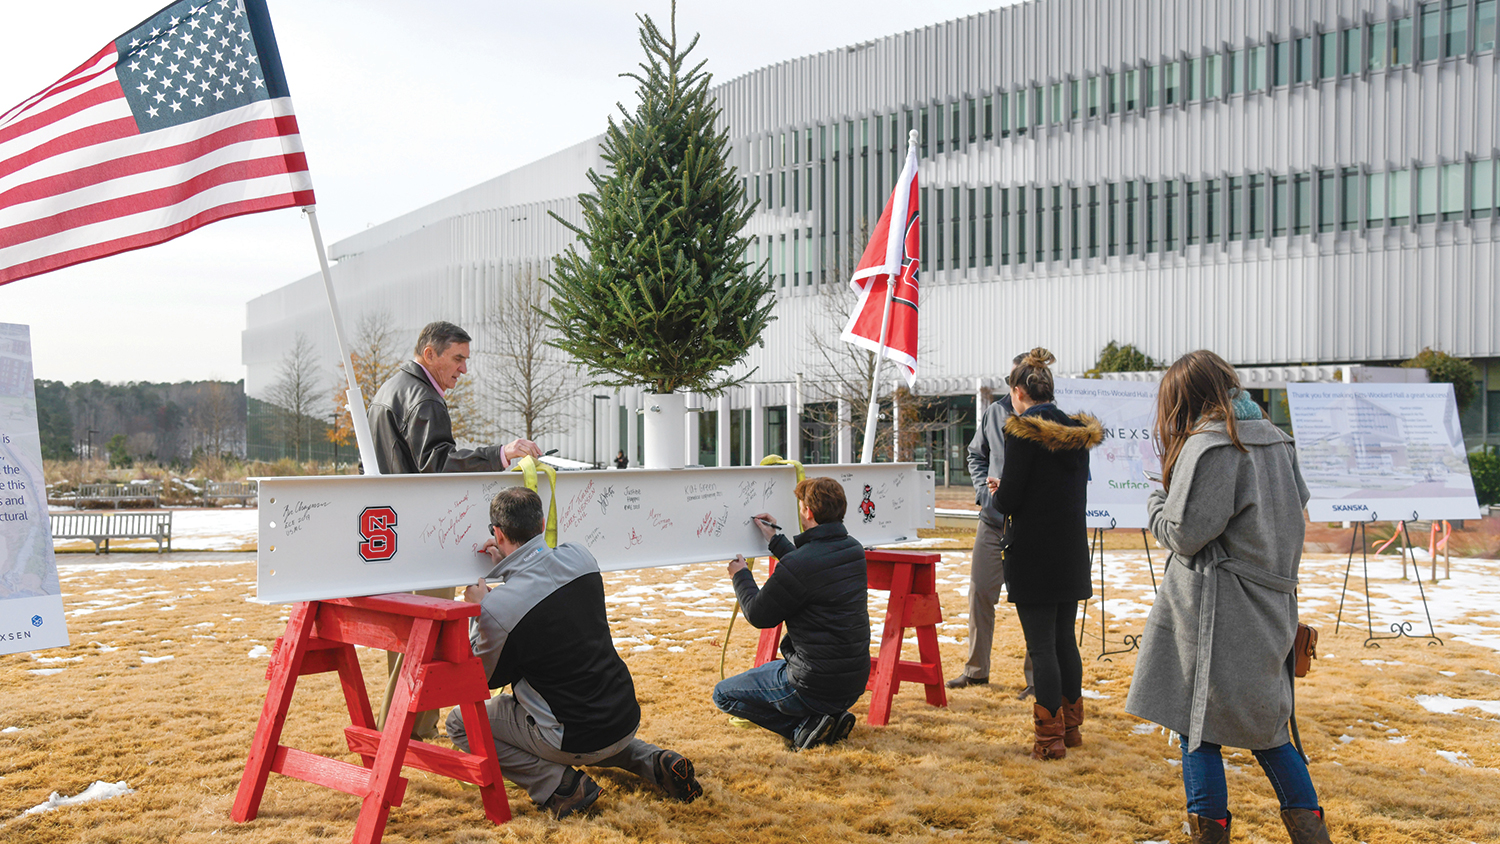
x,y
545,633
986,568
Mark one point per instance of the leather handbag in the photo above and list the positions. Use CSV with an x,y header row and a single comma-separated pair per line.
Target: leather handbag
x,y
1305,648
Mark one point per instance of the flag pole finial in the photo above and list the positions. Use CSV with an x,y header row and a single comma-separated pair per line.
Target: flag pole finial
x,y
913,137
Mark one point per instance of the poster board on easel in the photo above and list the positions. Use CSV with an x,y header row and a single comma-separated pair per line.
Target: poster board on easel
x,y
31,605
1118,487
1382,452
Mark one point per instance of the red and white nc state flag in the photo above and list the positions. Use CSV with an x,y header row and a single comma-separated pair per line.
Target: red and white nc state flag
x,y
885,318
181,121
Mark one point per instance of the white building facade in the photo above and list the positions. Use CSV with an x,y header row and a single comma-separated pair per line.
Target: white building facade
x,y
1295,185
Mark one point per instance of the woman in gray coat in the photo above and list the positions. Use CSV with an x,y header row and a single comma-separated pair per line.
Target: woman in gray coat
x,y
1216,657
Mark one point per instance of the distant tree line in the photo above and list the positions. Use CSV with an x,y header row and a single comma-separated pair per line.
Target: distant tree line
x,y
141,421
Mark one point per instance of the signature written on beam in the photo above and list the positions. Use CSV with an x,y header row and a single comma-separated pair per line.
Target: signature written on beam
x,y
451,526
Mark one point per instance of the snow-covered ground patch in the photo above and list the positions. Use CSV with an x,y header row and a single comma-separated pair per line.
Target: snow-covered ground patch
x,y
195,529
97,791
1451,705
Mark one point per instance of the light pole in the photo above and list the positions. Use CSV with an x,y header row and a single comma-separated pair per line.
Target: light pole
x,y
91,434
597,397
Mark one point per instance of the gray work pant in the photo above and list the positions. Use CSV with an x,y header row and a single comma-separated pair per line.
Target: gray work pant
x,y
529,760
986,577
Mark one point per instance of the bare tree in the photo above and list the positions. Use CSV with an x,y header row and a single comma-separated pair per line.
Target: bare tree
x,y
463,412
216,417
526,375
298,392
377,355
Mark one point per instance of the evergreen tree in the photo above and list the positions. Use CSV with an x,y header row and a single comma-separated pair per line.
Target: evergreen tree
x,y
661,294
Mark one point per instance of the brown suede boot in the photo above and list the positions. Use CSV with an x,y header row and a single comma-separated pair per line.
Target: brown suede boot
x,y
1305,826
1049,733
1208,830
1072,711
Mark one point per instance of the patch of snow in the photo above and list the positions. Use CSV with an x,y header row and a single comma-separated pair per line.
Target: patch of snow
x,y
1093,695
258,650
1345,739
676,649
1448,673
45,659
1451,705
151,660
644,648
1380,662
104,649
1143,729
45,672
11,730
1457,757
1397,739
97,791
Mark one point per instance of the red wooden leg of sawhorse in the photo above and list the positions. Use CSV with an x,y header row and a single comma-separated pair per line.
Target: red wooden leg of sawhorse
x,y
440,670
910,578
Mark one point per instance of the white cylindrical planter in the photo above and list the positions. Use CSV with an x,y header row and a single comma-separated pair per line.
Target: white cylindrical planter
x,y
690,437
726,407
664,430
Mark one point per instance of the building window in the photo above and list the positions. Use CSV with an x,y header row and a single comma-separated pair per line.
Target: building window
x,y
1280,212
1056,112
954,129
1075,234
1352,52
1191,215
1130,216
1171,215
1427,194
1213,76
1112,92
1482,188
937,257
921,130
989,231
1375,200
973,121
1074,93
1257,72
1456,37
796,256
1021,112
1452,199
1173,94
1401,42
1379,49
1093,95
1020,225
807,136
1301,203
1484,26
1112,218
1281,63
1153,230
1003,101
1327,200
781,261
1257,214
989,118
1328,55
1302,58
1057,220
1038,196
1194,80
1036,106
1211,210
1132,90
1431,34
1004,227
1236,215
923,208
1153,84
1093,221
954,261
1400,185
1349,204
1234,71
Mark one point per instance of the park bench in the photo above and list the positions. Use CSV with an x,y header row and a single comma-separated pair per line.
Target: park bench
x,y
242,491
100,528
145,492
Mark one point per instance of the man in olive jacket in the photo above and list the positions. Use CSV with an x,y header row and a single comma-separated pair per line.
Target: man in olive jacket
x,y
819,591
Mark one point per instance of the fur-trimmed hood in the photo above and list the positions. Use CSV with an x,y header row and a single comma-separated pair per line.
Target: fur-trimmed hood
x,y
1078,433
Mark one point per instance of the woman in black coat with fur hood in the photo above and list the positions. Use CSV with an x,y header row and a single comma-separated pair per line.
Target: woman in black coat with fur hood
x,y
1043,494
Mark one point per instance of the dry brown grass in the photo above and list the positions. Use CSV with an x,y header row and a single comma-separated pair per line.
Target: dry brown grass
x,y
177,731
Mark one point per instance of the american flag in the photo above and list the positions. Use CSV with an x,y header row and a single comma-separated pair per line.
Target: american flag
x,y
181,121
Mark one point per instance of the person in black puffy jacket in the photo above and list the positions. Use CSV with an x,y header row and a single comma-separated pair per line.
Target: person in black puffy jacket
x,y
818,590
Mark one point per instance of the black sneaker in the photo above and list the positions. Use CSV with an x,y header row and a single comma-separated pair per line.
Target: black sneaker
x,y
674,773
576,793
963,681
842,728
813,731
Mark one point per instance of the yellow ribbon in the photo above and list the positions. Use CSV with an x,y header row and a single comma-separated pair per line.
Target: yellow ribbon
x,y
527,466
778,460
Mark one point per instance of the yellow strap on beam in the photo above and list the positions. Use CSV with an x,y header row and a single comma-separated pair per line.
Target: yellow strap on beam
x,y
778,460
527,466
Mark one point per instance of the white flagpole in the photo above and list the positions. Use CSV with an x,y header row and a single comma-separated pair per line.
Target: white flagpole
x,y
356,399
895,242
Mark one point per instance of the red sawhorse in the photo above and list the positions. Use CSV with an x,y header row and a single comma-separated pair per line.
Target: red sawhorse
x,y
911,579
440,670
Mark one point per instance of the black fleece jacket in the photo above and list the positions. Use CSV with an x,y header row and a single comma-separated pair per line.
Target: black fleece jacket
x,y
819,591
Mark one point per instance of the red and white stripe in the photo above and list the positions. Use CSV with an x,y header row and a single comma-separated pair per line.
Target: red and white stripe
x,y
78,181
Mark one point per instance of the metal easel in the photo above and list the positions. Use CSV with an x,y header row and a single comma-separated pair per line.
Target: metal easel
x,y
1096,542
1401,629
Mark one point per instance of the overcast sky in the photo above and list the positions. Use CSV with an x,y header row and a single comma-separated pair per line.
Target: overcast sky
x,y
399,103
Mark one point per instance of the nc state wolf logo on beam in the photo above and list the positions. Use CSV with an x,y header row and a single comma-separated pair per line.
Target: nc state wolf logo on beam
x,y
377,528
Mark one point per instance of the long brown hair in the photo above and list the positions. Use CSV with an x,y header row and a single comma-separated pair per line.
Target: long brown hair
x,y
1032,375
1196,390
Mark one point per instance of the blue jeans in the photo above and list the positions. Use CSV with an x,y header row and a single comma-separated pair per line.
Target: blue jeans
x,y
1208,796
764,696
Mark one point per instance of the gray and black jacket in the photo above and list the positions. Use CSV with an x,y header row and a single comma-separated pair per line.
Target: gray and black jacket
x,y
413,433
819,591
544,632
987,449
